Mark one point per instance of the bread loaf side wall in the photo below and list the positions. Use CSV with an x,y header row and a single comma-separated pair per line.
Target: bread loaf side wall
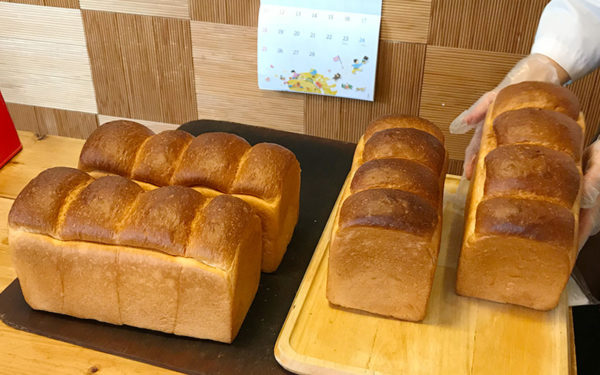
x,y
384,246
523,258
199,290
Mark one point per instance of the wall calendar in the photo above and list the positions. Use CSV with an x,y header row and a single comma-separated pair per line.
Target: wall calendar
x,y
326,47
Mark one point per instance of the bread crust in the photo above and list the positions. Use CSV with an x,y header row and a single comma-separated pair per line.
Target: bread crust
x,y
542,127
386,234
531,170
401,174
412,144
168,259
542,95
212,163
521,219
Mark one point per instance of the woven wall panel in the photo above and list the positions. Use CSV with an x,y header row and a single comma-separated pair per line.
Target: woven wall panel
x,y
453,80
233,12
455,167
43,58
492,25
38,23
156,126
142,66
23,116
44,121
398,86
587,90
50,3
405,20
225,67
163,8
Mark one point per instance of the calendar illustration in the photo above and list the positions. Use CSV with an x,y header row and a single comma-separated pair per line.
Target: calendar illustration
x,y
326,47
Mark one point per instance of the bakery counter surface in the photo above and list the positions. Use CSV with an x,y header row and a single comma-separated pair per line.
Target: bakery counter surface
x,y
22,352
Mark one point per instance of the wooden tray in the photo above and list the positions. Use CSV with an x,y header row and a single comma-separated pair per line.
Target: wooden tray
x,y
459,335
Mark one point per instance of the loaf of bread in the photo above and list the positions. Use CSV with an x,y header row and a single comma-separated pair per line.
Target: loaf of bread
x,y
266,175
521,219
169,259
386,234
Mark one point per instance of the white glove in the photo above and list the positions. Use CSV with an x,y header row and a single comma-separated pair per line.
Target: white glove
x,y
535,67
589,217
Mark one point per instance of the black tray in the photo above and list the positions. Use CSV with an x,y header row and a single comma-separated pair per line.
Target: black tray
x,y
324,164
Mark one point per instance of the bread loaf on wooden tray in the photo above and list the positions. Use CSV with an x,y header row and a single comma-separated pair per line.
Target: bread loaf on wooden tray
x,y
169,259
521,219
266,175
386,235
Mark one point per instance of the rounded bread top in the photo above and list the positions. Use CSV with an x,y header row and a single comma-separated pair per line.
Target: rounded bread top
x,y
542,95
69,205
541,127
403,121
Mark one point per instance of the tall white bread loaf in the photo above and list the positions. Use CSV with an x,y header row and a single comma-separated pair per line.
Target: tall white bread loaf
x,y
266,175
522,214
169,259
386,234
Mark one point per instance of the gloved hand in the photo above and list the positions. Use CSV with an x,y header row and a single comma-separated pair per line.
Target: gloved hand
x,y
589,217
535,67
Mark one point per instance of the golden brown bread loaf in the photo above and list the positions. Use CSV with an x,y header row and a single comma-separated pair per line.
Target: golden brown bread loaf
x,y
386,234
521,219
266,175
169,259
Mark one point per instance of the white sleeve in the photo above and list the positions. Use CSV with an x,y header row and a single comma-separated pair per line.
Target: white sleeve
x,y
569,33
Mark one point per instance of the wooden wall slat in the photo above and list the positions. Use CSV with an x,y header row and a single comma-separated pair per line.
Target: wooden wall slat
x,y
405,20
29,2
323,116
156,126
50,3
45,24
225,70
233,12
397,90
108,70
455,167
492,25
52,121
142,66
587,90
32,57
43,58
453,80
162,8
243,12
208,11
23,116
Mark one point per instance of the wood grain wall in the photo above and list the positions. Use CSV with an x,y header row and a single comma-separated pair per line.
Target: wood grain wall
x,y
67,66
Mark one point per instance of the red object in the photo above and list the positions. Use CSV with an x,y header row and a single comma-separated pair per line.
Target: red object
x,y
9,141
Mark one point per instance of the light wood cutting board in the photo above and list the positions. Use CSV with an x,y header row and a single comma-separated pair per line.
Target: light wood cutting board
x,y
460,335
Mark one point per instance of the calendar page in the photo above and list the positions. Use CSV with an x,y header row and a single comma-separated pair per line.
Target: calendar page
x,y
326,47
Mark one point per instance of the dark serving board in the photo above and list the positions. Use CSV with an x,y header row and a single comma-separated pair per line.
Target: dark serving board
x,y
324,164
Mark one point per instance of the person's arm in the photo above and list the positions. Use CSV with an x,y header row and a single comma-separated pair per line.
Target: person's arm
x,y
569,33
589,218
566,47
